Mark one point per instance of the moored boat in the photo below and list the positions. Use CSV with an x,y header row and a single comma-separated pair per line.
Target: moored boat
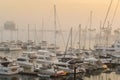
x,y
9,67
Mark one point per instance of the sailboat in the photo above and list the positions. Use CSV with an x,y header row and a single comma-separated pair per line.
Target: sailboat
x,y
47,60
69,53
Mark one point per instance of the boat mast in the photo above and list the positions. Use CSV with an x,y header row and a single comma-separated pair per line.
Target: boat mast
x,y
11,32
90,29
100,36
35,35
1,35
85,35
55,26
28,33
108,33
107,13
28,46
79,36
71,40
69,36
17,32
42,29
116,8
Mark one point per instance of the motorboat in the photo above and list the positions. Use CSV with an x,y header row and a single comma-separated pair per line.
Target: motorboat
x,y
27,61
13,47
9,67
107,49
51,71
44,56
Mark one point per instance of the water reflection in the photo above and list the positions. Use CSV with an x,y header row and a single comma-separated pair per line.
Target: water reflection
x,y
13,77
24,77
103,76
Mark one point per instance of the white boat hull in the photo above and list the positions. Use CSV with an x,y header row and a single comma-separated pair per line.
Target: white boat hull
x,y
10,70
15,49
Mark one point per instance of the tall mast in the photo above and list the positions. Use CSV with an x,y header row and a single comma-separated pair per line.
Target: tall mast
x,y
67,42
100,36
28,33
11,32
108,34
1,35
35,34
17,32
85,34
79,36
42,29
90,29
55,25
109,7
71,39
117,6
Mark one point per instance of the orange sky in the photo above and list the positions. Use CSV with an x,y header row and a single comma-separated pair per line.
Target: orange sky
x,y
70,12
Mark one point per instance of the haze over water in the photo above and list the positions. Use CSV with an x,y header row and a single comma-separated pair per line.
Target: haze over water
x,y
70,13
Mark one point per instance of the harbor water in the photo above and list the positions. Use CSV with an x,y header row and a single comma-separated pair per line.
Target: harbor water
x,y
15,54
103,76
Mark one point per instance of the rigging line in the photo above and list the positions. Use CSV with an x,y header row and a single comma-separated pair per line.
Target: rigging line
x,y
107,13
59,25
75,37
115,12
67,43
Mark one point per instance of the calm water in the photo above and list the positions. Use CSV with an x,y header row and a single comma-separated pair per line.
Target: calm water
x,y
14,54
111,76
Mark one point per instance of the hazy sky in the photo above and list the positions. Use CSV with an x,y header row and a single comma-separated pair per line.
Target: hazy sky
x,y
70,12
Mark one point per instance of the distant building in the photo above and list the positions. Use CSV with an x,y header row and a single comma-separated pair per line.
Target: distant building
x,y
9,25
